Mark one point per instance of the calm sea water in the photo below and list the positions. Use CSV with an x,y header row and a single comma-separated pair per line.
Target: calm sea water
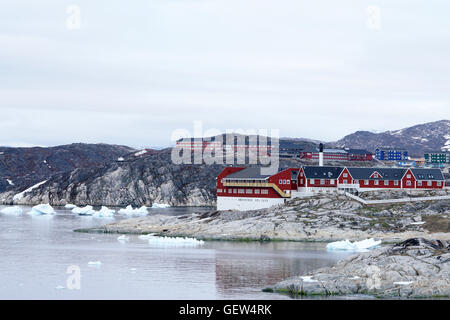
x,y
36,252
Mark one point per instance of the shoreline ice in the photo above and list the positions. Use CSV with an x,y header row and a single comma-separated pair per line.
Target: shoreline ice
x,y
362,245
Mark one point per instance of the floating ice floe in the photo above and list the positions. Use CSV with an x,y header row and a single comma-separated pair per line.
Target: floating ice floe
x,y
160,205
59,287
94,263
123,238
354,246
174,242
146,236
41,209
70,206
130,211
104,212
84,211
12,210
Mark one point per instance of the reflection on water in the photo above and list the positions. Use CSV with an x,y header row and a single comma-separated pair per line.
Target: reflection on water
x,y
37,250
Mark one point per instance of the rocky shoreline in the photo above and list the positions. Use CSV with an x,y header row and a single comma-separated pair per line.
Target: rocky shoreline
x,y
415,268
320,218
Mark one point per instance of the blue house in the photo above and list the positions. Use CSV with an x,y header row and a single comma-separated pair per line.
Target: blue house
x,y
391,154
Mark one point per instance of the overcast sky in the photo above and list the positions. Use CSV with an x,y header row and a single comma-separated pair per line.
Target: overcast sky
x,y
137,70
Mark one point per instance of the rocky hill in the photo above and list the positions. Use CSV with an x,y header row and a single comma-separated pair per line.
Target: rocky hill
x,y
21,168
140,178
432,136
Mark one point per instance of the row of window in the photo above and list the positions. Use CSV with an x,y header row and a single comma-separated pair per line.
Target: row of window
x,y
376,182
284,181
242,191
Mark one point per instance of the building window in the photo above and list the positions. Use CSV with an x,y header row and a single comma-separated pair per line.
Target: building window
x,y
386,182
241,191
408,176
234,190
284,181
356,181
408,183
396,183
256,191
430,183
249,191
289,182
419,183
376,182
301,181
264,191
345,175
219,190
280,181
439,183
331,181
322,181
311,181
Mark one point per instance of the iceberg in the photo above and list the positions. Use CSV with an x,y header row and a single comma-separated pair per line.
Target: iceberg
x,y
12,210
41,209
174,242
70,206
146,236
95,263
104,212
130,211
85,211
123,238
160,205
354,246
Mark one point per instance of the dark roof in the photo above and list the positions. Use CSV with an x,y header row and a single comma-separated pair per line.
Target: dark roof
x,y
316,172
386,173
248,173
428,174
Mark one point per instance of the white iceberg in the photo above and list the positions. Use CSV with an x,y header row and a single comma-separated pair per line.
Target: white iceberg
x,y
354,246
174,242
70,206
160,205
84,211
146,236
123,238
130,211
41,209
104,212
95,263
12,210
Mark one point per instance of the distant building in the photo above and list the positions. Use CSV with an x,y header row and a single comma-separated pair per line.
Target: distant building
x,y
437,157
337,154
391,154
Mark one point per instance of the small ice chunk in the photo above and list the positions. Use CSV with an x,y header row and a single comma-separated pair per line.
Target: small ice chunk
x,y
10,182
84,211
123,238
160,205
104,212
146,236
12,210
417,223
174,241
130,211
308,279
70,206
354,246
94,263
59,287
120,159
41,209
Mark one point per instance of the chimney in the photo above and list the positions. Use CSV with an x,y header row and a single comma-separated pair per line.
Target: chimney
x,y
321,155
